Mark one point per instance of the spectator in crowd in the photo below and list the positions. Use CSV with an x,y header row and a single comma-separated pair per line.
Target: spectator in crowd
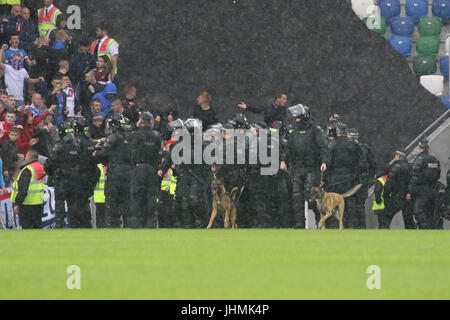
x,y
272,113
130,96
81,62
46,134
29,32
59,98
9,154
97,129
15,76
88,88
117,107
204,112
104,45
95,107
13,23
40,52
47,17
26,140
11,102
14,41
5,6
7,125
103,72
106,96
70,96
2,111
37,107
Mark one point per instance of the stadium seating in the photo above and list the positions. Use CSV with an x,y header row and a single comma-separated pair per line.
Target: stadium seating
x,y
365,8
441,9
402,26
446,101
428,46
416,9
433,83
444,65
430,26
377,25
402,45
424,65
389,9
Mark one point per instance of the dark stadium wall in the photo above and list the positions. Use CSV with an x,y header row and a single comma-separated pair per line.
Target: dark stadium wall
x,y
318,51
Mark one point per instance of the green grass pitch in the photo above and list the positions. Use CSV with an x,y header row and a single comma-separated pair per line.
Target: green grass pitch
x,y
224,264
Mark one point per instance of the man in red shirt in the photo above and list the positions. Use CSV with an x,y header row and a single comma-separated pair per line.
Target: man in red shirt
x,y
7,124
26,141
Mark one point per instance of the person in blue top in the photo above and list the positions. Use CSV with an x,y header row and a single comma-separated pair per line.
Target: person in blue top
x,y
106,96
14,41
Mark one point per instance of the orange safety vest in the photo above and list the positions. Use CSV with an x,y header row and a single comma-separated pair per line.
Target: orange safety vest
x,y
104,48
48,18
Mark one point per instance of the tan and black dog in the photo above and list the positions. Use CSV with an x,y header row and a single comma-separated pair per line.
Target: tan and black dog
x,y
331,204
222,201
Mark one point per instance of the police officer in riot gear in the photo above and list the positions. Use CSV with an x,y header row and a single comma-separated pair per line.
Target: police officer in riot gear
x,y
368,171
396,188
347,162
308,155
192,180
145,184
423,188
64,166
116,154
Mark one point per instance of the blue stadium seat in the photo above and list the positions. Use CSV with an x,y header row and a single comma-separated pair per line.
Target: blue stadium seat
x,y
446,101
416,9
389,9
402,26
444,65
441,9
403,45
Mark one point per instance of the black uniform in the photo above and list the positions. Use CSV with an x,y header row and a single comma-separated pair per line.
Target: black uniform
x,y
117,155
395,192
272,113
424,190
347,161
306,151
64,166
191,193
145,183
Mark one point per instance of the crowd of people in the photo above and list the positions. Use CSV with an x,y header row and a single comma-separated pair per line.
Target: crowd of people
x,y
64,124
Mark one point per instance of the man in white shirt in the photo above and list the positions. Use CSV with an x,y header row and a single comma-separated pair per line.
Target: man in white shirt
x,y
70,104
16,75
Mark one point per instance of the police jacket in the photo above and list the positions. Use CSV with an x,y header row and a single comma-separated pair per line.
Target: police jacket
x,y
117,149
146,146
272,113
347,158
426,172
399,177
306,146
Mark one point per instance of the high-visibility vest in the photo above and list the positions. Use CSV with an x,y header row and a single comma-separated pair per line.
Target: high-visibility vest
x,y
35,194
380,206
169,183
104,48
10,2
47,22
99,191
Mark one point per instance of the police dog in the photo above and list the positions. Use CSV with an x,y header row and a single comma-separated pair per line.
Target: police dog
x,y
224,202
331,204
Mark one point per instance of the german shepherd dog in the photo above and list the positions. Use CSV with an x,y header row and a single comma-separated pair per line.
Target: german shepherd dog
x,y
331,204
224,202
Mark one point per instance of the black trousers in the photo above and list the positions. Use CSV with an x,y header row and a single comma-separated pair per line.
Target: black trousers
x,y
117,192
424,209
280,203
145,186
193,198
166,208
304,179
31,216
100,215
396,203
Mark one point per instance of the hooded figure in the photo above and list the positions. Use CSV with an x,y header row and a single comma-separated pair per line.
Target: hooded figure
x,y
106,96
